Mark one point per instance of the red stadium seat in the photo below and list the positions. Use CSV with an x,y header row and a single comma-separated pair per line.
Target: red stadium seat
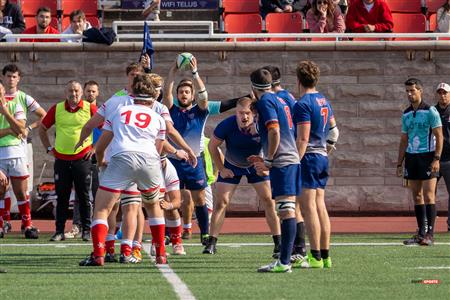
x,y
93,20
284,23
240,6
405,6
409,23
89,7
31,21
434,5
243,23
30,7
433,22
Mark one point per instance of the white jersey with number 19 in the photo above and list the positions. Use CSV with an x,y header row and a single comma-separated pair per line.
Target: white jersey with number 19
x,y
136,129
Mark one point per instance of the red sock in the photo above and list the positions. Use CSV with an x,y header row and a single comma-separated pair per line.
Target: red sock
x,y
109,245
175,231
99,230
125,247
7,212
158,229
1,219
24,211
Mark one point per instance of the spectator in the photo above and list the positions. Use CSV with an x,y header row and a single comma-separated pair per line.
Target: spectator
x,y
11,18
443,18
276,6
369,16
72,165
343,5
43,18
151,10
78,24
324,16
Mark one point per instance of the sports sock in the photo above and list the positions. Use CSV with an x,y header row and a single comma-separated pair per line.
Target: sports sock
x,y
324,253
187,227
316,254
137,245
431,217
276,240
99,231
202,217
1,221
157,227
7,212
419,210
125,247
2,211
174,228
287,240
24,211
109,244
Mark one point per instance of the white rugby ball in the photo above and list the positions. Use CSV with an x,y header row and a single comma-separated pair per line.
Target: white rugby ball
x,y
184,60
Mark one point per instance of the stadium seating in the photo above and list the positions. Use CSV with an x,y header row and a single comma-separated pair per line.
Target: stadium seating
x,y
284,23
410,23
239,6
30,7
405,6
89,7
434,5
243,23
433,22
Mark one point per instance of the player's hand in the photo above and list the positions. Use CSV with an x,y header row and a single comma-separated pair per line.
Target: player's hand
x,y
78,145
287,9
182,155
330,148
166,205
399,171
163,163
435,166
193,64
89,154
226,173
192,159
255,158
102,165
261,168
3,180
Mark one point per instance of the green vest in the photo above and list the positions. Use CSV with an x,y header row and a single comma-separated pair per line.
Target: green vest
x,y
21,97
8,140
208,163
68,128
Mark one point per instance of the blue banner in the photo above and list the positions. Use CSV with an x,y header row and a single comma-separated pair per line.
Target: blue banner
x,y
174,4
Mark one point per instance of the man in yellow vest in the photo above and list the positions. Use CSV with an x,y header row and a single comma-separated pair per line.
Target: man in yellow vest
x,y
72,167
13,162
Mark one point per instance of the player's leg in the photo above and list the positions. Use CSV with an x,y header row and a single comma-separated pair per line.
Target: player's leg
x,y
262,189
299,251
325,227
4,183
416,188
187,209
7,210
225,188
137,240
82,181
130,204
111,236
429,194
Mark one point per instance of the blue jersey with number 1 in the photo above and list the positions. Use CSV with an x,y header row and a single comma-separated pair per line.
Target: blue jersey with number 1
x,y
315,110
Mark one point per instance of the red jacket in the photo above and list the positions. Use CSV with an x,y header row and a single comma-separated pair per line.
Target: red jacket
x,y
380,15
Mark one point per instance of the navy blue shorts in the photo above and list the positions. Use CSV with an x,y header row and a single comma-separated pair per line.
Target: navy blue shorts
x,y
314,171
190,178
252,177
286,181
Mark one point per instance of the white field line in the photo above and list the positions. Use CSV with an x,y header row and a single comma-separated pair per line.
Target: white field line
x,y
180,288
63,245
432,268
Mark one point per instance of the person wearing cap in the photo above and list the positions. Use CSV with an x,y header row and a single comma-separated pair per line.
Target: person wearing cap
x,y
420,149
443,108
72,165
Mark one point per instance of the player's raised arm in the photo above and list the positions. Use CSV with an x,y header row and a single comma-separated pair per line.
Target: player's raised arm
x,y
168,87
202,98
87,129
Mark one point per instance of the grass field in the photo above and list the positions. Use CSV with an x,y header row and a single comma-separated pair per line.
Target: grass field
x,y
377,267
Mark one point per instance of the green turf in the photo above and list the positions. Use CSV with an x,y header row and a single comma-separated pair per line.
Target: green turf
x,y
371,272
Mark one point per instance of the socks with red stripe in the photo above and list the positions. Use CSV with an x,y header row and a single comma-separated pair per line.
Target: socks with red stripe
x,y
137,245
99,231
25,211
157,227
125,247
7,212
175,229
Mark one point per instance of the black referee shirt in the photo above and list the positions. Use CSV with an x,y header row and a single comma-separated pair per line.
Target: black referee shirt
x,y
445,119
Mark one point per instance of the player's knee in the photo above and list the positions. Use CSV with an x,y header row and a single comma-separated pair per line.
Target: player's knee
x,y
285,208
150,197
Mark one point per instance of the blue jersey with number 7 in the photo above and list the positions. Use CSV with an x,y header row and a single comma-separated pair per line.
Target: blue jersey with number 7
x,y
314,109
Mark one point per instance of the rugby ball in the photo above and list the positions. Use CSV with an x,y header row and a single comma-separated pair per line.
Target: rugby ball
x,y
184,60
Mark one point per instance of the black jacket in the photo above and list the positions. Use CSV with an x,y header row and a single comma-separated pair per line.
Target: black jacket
x,y
12,18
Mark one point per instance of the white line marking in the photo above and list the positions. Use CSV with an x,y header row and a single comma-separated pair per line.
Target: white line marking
x,y
221,244
432,268
180,288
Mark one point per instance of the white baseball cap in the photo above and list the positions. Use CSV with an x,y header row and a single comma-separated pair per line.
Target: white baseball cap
x,y
443,86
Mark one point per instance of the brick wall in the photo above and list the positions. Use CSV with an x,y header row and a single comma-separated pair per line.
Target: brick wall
x,y
364,83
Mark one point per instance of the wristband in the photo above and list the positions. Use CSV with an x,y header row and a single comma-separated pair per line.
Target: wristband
x,y
437,157
194,71
175,153
268,162
195,75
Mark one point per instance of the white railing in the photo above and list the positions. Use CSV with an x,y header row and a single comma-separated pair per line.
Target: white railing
x,y
19,36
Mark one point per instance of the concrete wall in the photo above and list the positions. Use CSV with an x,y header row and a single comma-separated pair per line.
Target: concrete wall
x,y
364,83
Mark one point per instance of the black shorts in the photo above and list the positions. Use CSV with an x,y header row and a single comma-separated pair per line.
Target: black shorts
x,y
418,166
